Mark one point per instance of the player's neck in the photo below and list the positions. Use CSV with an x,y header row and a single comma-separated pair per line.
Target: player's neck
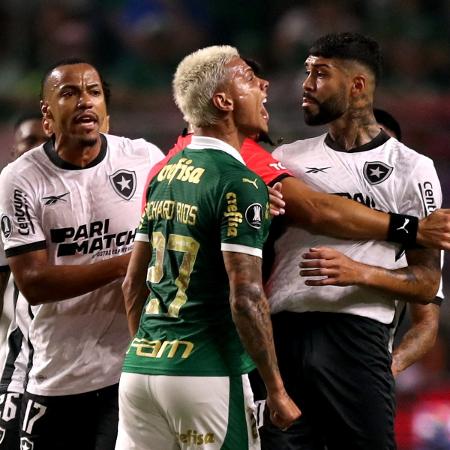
x,y
351,132
77,152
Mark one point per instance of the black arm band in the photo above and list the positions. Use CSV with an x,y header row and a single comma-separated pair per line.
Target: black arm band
x,y
403,229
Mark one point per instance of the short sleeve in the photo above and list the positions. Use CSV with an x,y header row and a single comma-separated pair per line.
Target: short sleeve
x,y
422,194
4,266
244,212
142,230
20,225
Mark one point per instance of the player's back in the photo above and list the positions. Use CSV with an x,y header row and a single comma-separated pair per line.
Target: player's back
x,y
192,209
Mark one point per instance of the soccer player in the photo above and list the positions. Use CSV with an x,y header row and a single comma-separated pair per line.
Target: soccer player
x,y
29,132
199,245
332,342
69,210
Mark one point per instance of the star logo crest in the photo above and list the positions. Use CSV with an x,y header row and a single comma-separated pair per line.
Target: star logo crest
x,y
26,444
375,172
124,183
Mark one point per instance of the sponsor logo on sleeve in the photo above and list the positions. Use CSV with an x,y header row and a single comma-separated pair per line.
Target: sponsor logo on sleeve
x,y
22,214
375,172
427,193
124,183
253,215
277,166
6,226
232,214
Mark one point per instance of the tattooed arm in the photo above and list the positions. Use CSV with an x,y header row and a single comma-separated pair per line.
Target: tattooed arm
x,y
134,286
251,314
419,339
418,282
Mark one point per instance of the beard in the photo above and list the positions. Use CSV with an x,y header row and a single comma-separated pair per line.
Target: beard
x,y
328,111
86,141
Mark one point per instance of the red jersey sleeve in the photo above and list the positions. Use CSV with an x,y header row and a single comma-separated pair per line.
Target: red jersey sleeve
x,y
263,163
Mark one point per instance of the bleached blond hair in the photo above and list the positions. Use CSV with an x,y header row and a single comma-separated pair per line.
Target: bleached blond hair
x,y
196,80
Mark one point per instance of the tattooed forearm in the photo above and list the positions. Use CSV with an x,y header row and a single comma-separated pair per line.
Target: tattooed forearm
x,y
419,339
418,282
251,312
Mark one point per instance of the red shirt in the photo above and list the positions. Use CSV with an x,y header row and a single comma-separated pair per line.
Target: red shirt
x,y
256,158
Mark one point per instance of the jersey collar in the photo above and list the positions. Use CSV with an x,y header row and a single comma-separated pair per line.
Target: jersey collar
x,y
202,142
377,141
49,149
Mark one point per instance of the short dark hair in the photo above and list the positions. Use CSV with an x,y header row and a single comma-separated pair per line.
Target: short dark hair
x,y
25,117
254,65
388,121
71,62
350,46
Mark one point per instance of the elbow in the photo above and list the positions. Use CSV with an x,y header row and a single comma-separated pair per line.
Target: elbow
x,y
31,288
245,300
127,288
432,289
31,295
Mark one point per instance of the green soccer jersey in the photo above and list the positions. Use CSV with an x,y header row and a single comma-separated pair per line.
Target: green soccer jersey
x,y
203,202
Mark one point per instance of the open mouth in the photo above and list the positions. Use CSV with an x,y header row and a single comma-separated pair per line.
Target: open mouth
x,y
264,112
86,120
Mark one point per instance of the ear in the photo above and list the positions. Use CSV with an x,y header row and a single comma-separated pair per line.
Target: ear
x,y
359,84
47,126
45,109
222,102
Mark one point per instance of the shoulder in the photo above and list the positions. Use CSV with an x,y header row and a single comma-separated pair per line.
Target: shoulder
x,y
242,179
25,167
406,157
302,145
134,147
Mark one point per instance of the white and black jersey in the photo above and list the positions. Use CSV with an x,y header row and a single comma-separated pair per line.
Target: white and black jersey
x,y
7,310
15,349
80,216
15,368
383,174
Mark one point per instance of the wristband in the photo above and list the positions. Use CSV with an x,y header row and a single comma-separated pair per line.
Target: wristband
x,y
403,229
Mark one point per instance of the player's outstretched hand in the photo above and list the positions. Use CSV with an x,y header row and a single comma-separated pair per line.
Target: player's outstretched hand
x,y
276,201
337,268
434,230
283,411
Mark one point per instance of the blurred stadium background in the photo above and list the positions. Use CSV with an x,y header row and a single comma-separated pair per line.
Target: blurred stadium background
x,y
137,44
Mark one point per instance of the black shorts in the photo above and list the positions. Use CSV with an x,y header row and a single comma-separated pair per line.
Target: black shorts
x,y
85,421
10,403
337,368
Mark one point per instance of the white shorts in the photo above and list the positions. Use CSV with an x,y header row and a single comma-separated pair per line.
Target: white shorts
x,y
159,412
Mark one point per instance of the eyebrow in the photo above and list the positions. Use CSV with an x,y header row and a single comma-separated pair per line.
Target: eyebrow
x,y
317,65
75,86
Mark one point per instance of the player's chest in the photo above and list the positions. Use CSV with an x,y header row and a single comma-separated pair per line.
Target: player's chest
x,y
80,199
341,172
